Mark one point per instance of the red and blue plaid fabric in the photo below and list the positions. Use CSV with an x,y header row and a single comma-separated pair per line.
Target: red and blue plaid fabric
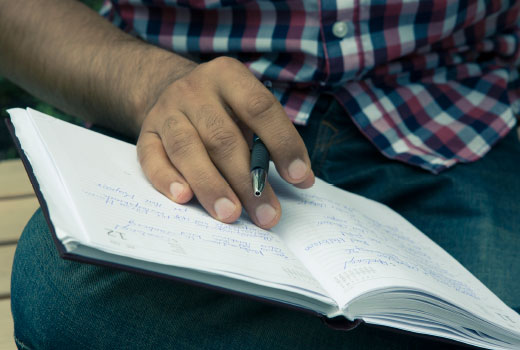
x,y
430,83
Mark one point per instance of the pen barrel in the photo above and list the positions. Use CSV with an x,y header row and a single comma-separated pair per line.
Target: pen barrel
x,y
259,155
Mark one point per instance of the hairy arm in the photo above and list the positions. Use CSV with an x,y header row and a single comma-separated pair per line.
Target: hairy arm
x,y
68,55
185,114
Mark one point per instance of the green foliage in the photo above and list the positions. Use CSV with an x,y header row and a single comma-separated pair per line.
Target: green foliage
x,y
12,96
95,4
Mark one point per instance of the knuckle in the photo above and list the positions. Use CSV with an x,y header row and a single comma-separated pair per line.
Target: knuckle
x,y
258,105
210,116
222,142
219,140
180,147
185,85
170,125
223,63
178,140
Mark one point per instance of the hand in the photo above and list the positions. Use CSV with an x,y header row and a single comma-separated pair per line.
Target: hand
x,y
191,142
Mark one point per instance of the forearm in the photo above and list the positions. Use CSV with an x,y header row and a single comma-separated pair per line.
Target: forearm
x,y
66,54
187,115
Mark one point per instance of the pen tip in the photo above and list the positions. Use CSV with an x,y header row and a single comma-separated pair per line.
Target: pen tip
x,y
258,177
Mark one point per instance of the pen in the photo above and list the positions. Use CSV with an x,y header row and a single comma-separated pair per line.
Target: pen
x,y
259,160
259,165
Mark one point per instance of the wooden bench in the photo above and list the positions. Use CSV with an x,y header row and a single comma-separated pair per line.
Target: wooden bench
x,y
17,204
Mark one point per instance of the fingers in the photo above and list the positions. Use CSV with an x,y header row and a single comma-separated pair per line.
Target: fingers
x,y
229,152
262,113
158,169
192,142
188,156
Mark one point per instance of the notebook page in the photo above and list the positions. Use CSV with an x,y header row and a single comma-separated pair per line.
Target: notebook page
x,y
124,214
43,170
353,245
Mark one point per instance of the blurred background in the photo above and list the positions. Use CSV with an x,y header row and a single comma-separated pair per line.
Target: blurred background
x,y
12,96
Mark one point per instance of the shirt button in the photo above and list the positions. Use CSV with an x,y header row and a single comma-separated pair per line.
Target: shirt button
x,y
340,29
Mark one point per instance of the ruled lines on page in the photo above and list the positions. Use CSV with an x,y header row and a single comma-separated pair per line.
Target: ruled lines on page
x,y
354,246
124,214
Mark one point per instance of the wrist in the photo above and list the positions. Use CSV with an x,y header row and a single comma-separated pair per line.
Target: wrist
x,y
162,68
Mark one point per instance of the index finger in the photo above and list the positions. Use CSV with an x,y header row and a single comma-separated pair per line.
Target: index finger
x,y
256,106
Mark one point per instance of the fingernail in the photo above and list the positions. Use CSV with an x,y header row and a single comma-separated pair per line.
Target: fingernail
x,y
265,214
224,208
297,169
176,189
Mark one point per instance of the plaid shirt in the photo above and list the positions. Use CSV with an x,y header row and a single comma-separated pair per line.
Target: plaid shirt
x,y
430,83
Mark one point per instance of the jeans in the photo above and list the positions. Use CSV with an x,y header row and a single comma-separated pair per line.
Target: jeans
x,y
471,211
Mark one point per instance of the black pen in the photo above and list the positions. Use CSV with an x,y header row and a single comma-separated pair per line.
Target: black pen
x,y
259,165
259,160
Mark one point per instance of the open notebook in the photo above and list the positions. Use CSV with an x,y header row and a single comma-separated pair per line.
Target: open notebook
x,y
333,253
